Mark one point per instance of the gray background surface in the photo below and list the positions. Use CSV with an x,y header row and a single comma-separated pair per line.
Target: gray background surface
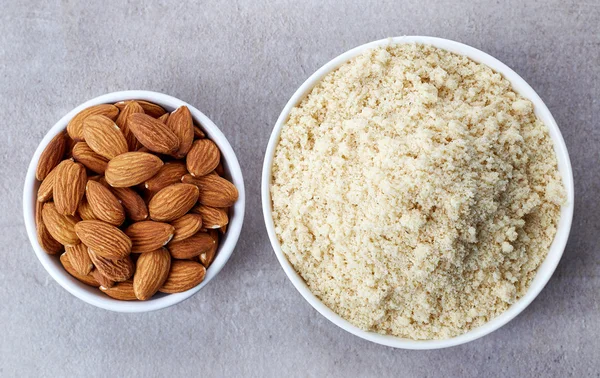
x,y
239,62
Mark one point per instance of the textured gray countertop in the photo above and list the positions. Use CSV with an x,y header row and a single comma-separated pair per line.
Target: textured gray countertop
x,y
239,62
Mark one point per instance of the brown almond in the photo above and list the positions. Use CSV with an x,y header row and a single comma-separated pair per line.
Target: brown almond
x,y
122,291
132,168
186,226
212,217
85,210
51,156
215,191
105,206
220,170
104,239
170,173
163,118
83,154
115,270
150,108
103,281
75,126
206,258
173,202
153,134
69,144
183,276
130,108
148,236
46,187
152,269
61,227
87,279
134,205
191,247
181,123
47,242
69,186
198,133
203,157
79,258
104,137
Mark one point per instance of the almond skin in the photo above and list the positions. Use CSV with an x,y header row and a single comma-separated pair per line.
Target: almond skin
x,y
85,210
150,108
46,188
131,169
170,173
148,236
186,226
130,108
52,155
105,206
151,272
70,143
115,270
122,291
104,137
203,158
61,227
206,258
79,258
153,134
212,217
163,118
173,202
87,279
198,133
220,170
75,126
183,276
103,281
104,239
191,247
215,191
69,186
181,123
83,154
134,205
47,242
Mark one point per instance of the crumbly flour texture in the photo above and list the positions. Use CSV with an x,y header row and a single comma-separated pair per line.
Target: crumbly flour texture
x,y
415,192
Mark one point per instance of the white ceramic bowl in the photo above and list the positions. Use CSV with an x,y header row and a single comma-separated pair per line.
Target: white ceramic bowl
x,y
545,270
92,295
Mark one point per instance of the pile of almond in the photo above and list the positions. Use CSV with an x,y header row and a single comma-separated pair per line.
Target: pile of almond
x,y
135,197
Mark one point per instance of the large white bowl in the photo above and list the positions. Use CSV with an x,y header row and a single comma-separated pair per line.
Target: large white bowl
x,y
93,295
546,269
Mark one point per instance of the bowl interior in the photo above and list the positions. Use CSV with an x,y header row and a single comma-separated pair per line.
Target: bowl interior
x,y
228,241
564,166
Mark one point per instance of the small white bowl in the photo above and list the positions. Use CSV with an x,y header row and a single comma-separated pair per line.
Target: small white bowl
x,y
93,295
564,165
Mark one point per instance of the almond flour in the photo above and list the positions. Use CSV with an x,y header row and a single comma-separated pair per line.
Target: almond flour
x,y
415,192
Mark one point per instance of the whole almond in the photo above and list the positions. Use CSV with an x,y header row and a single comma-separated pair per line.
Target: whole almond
x,y
191,247
87,279
104,137
104,239
181,123
212,217
103,281
115,270
163,118
206,258
151,272
47,187
129,109
51,156
148,236
203,158
122,291
215,191
170,173
85,210
150,108
79,258
75,126
173,202
134,205
132,168
70,143
83,154
69,186
61,227
198,133
186,226
105,206
183,276
153,134
47,242
220,170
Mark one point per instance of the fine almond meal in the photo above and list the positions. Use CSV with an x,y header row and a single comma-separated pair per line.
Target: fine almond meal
x,y
415,192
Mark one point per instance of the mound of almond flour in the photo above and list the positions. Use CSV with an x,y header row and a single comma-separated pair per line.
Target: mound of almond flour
x,y
415,192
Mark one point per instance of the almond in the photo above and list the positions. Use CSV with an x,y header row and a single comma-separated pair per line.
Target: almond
x,y
198,133
122,291
170,173
103,281
220,170
46,187
130,108
105,206
186,226
104,137
85,210
203,158
148,236
183,276
47,242
104,239
163,118
79,258
215,191
212,217
153,134
87,279
173,202
191,247
69,186
134,205
151,272
132,168
75,126
51,156
83,154
149,108
181,123
115,270
61,227
206,258
70,143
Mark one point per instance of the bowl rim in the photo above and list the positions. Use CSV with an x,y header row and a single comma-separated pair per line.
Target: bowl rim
x,y
545,270
92,295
